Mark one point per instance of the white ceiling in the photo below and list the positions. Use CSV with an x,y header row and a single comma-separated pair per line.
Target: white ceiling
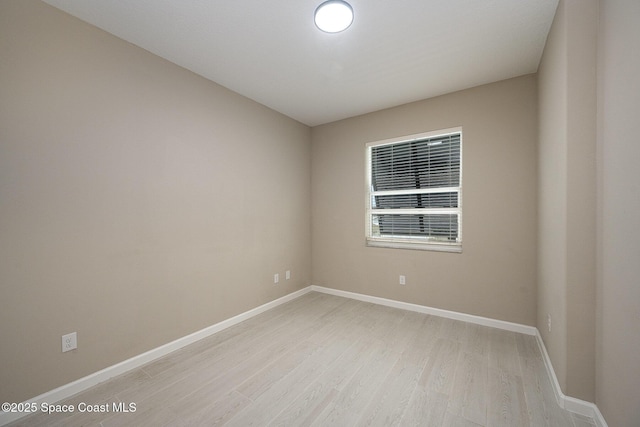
x,y
396,51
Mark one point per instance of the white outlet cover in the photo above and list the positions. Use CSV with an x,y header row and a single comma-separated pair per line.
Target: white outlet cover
x,y
69,342
403,280
276,278
287,275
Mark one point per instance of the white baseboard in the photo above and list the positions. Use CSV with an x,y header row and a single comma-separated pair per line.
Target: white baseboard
x,y
569,403
566,402
470,318
84,383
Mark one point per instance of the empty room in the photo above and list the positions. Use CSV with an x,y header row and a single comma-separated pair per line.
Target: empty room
x,y
417,212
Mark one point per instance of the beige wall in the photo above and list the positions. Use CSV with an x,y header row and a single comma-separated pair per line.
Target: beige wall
x,y
581,197
495,276
567,196
552,190
138,201
618,339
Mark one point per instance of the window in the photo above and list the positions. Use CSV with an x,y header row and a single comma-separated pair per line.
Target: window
x,y
414,192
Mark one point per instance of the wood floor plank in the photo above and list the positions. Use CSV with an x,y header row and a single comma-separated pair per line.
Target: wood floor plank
x,y
426,408
582,421
339,373
507,405
451,420
392,398
468,397
537,408
307,407
199,410
541,400
527,346
350,403
439,371
476,339
210,363
503,353
268,406
263,379
145,416
410,335
325,360
453,330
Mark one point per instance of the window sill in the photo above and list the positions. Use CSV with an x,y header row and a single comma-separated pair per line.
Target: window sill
x,y
397,244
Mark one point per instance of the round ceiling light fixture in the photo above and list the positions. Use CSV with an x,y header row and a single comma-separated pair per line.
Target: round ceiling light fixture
x,y
334,16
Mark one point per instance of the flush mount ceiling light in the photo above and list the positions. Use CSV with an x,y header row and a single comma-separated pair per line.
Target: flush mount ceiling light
x,y
334,16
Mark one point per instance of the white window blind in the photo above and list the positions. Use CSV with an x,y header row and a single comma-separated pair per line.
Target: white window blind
x,y
414,192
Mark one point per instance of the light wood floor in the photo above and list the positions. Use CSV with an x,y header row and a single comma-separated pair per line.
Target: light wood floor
x,y
322,360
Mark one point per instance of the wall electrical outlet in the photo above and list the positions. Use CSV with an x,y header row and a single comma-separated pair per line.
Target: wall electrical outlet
x,y
403,280
549,322
287,275
69,342
276,278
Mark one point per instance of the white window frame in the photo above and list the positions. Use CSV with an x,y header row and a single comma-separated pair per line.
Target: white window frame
x,y
409,242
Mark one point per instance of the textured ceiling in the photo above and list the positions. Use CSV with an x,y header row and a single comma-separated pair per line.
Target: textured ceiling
x,y
396,51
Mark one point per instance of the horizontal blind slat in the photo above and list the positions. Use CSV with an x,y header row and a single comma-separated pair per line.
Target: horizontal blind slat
x,y
417,164
415,188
